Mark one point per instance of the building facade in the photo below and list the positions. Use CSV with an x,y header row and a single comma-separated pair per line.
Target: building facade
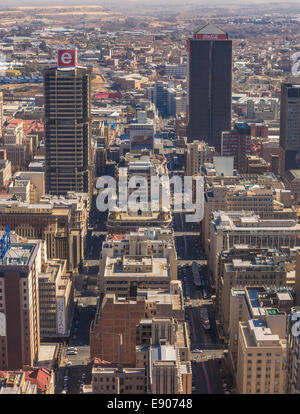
x,y
209,85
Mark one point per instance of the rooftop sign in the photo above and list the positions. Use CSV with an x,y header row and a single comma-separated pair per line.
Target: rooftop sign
x,y
67,58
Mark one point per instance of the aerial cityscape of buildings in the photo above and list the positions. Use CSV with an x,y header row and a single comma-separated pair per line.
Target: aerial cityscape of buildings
x,y
106,287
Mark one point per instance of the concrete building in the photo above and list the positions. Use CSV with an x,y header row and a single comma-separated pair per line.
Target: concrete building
x,y
145,241
15,382
79,205
261,355
257,302
237,143
37,180
263,199
167,375
257,165
146,165
5,173
116,316
292,180
19,305
56,299
21,190
68,130
40,221
269,270
232,228
60,221
109,378
119,315
123,275
197,154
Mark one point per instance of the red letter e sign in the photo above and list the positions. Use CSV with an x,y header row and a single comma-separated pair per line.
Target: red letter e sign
x,y
67,57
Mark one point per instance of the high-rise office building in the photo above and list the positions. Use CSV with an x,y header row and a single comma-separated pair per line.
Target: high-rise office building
x,y
20,264
209,85
289,144
67,89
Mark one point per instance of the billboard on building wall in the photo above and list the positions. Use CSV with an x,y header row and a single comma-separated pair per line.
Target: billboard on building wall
x,y
212,36
60,311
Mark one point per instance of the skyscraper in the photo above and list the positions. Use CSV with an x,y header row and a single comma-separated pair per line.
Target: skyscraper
x,y
209,85
289,144
67,91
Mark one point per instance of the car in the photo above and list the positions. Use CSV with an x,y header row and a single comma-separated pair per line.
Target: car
x,y
64,392
69,364
66,377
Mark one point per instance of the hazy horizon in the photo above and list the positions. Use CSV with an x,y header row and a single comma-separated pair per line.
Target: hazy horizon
x,y
24,3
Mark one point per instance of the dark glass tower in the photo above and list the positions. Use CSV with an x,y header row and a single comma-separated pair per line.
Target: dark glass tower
x,y
68,130
209,85
289,144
